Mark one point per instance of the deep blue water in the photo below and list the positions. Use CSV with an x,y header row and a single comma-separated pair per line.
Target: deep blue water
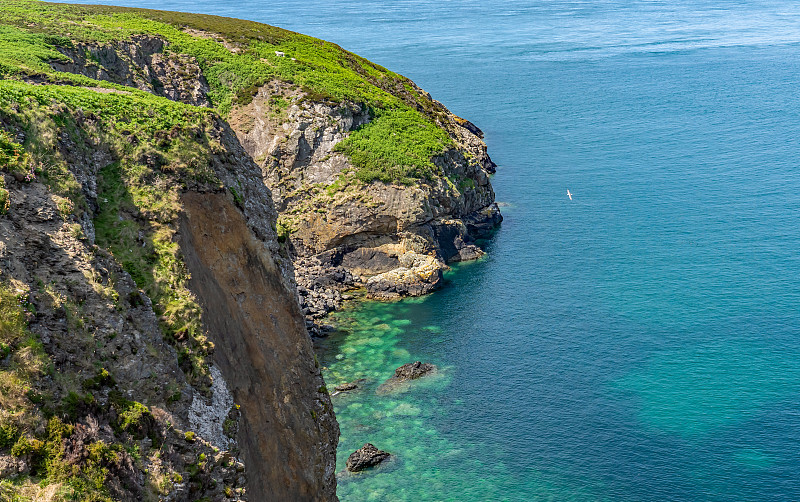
x,y
641,342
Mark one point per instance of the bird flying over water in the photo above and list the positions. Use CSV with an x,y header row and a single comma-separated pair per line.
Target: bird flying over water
x,y
569,194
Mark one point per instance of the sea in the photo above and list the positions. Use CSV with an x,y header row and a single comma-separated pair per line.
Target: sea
x,y
639,342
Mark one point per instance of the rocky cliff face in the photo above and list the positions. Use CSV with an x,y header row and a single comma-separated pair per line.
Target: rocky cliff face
x,y
139,62
393,239
241,412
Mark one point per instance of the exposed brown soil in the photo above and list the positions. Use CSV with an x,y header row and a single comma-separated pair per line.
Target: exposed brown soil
x,y
263,351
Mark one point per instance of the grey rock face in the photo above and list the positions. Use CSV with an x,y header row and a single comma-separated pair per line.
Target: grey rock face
x,y
142,63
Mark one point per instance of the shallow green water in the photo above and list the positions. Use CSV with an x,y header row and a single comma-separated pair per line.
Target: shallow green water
x,y
430,459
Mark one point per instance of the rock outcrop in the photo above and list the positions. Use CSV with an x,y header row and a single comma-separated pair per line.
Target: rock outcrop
x,y
140,62
406,373
393,239
412,371
350,386
365,457
231,404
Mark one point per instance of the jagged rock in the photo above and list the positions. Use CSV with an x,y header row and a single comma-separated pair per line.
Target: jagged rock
x,y
10,466
418,275
468,253
483,221
140,62
412,371
365,457
349,385
403,374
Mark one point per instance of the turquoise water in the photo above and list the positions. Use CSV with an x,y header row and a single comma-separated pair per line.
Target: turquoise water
x,y
641,342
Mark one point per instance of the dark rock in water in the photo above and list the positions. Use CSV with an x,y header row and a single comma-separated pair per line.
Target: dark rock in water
x,y
350,385
366,456
404,373
412,371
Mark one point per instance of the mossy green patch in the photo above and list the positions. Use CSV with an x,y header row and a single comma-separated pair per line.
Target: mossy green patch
x,y
397,146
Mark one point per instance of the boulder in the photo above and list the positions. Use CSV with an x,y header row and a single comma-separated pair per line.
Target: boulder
x,y
412,371
349,385
365,457
403,374
418,275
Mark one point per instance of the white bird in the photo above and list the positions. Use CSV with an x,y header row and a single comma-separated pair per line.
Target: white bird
x,y
569,194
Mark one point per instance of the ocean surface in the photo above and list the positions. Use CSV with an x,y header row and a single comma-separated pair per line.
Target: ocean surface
x,y
638,343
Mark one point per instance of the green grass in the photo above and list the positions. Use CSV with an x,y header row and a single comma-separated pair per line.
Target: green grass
x,y
141,130
26,363
324,71
395,147
5,198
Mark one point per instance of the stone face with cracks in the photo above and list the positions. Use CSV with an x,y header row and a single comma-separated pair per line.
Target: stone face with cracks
x,y
373,233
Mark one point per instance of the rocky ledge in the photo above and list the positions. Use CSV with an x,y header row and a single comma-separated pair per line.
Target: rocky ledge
x,y
393,239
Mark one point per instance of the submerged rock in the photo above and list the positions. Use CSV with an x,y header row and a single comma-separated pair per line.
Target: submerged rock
x,y
345,387
365,457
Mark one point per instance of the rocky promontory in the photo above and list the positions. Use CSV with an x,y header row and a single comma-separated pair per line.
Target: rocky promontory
x,y
182,199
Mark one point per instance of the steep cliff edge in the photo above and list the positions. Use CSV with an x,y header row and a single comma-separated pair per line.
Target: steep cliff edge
x,y
180,367
376,183
152,295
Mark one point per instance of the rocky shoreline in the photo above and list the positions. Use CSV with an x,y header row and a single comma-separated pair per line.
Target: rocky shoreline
x,y
325,281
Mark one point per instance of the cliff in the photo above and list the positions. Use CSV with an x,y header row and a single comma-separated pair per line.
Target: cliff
x,y
177,192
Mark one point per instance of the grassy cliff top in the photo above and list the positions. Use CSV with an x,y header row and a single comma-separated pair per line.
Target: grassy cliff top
x,y
237,57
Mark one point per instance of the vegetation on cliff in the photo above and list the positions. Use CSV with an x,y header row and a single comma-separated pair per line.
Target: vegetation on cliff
x,y
138,205
158,147
238,57
38,431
